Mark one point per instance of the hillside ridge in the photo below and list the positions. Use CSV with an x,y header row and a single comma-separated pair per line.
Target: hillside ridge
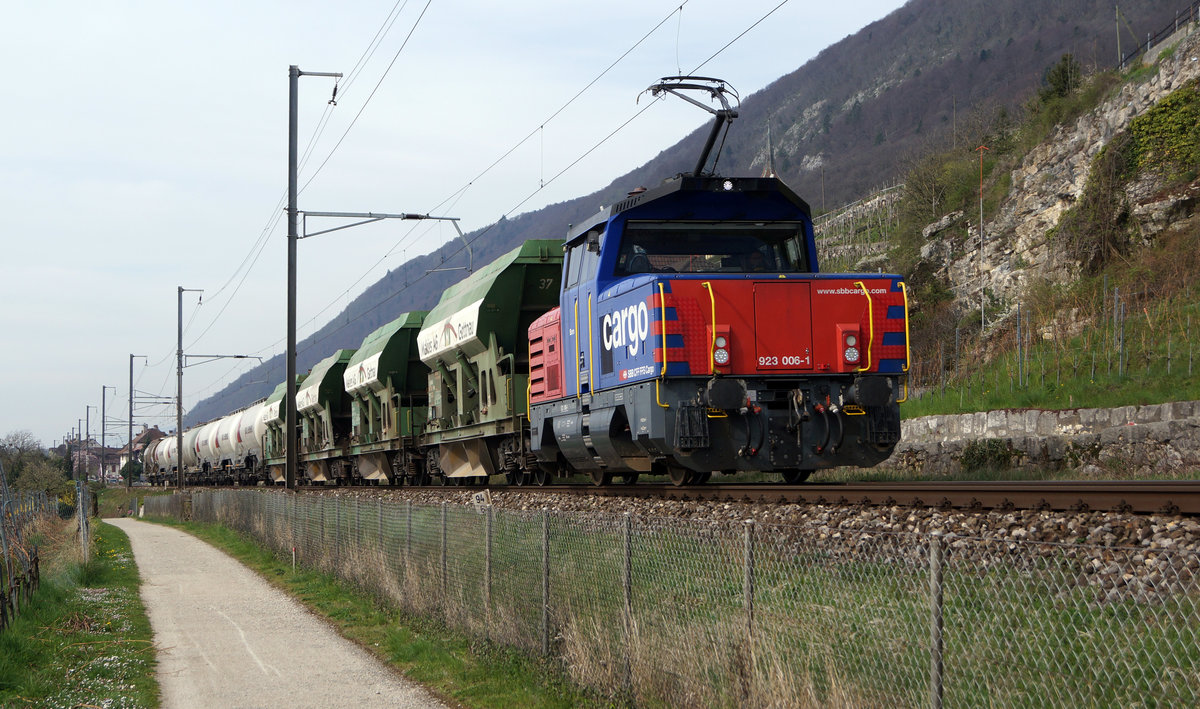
x,y
851,117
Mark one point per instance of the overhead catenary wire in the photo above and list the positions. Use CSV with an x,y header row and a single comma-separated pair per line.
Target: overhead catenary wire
x,y
259,245
370,96
460,192
539,130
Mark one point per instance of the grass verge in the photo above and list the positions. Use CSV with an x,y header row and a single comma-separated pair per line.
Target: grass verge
x,y
84,639
467,671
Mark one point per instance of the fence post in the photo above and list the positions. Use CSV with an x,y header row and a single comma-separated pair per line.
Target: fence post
x,y
407,537
487,576
379,526
1121,358
627,586
445,607
292,525
935,620
337,530
627,568
748,577
1020,342
545,583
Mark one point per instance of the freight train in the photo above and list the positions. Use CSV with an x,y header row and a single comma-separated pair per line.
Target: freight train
x,y
683,331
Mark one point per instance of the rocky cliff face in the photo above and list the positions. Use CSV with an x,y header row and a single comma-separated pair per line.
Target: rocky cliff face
x,y
1017,244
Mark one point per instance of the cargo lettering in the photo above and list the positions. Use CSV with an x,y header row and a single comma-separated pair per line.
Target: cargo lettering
x,y
627,328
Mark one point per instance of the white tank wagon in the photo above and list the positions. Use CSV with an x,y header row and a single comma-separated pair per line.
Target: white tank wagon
x,y
154,461
206,446
223,447
191,456
248,434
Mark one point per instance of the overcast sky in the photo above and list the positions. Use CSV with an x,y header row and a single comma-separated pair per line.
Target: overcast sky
x,y
144,147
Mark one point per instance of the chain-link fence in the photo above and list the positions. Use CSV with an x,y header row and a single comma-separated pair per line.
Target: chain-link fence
x,y
750,614
19,562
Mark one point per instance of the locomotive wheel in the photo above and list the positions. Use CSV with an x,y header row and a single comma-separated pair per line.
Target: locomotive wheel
x,y
700,478
539,476
629,478
679,475
793,477
601,477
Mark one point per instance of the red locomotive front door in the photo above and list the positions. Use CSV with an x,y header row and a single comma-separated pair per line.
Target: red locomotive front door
x,y
783,326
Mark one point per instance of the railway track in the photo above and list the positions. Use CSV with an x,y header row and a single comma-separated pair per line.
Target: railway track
x,y
1136,497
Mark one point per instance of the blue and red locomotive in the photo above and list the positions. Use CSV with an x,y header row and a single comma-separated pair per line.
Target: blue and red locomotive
x,y
694,334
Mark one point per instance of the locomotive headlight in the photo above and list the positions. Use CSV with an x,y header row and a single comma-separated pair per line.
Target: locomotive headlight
x,y
728,185
721,356
721,341
851,340
851,353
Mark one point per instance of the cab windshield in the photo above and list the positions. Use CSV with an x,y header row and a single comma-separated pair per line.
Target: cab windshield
x,y
712,247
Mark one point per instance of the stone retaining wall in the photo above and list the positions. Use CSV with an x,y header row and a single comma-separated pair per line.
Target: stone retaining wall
x,y
1158,439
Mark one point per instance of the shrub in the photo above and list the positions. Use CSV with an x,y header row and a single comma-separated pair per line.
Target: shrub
x,y
986,454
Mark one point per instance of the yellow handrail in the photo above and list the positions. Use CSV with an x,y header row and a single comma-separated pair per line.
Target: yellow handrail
x,y
870,324
907,347
712,301
905,397
575,354
662,302
591,350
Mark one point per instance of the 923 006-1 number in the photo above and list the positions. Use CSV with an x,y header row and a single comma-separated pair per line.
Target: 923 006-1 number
x,y
785,361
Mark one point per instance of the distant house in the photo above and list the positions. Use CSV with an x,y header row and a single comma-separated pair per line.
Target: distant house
x,y
137,445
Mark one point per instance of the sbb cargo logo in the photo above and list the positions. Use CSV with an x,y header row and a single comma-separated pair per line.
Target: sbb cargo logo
x,y
626,328
636,372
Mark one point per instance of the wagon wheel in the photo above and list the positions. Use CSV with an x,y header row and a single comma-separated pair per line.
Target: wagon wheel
x,y
516,478
540,475
701,478
629,478
600,477
794,477
433,473
679,475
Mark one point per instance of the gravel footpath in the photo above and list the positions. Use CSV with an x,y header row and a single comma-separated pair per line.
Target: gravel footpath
x,y
226,638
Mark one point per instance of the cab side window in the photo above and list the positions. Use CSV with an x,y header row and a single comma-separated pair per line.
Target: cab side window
x,y
581,262
572,266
